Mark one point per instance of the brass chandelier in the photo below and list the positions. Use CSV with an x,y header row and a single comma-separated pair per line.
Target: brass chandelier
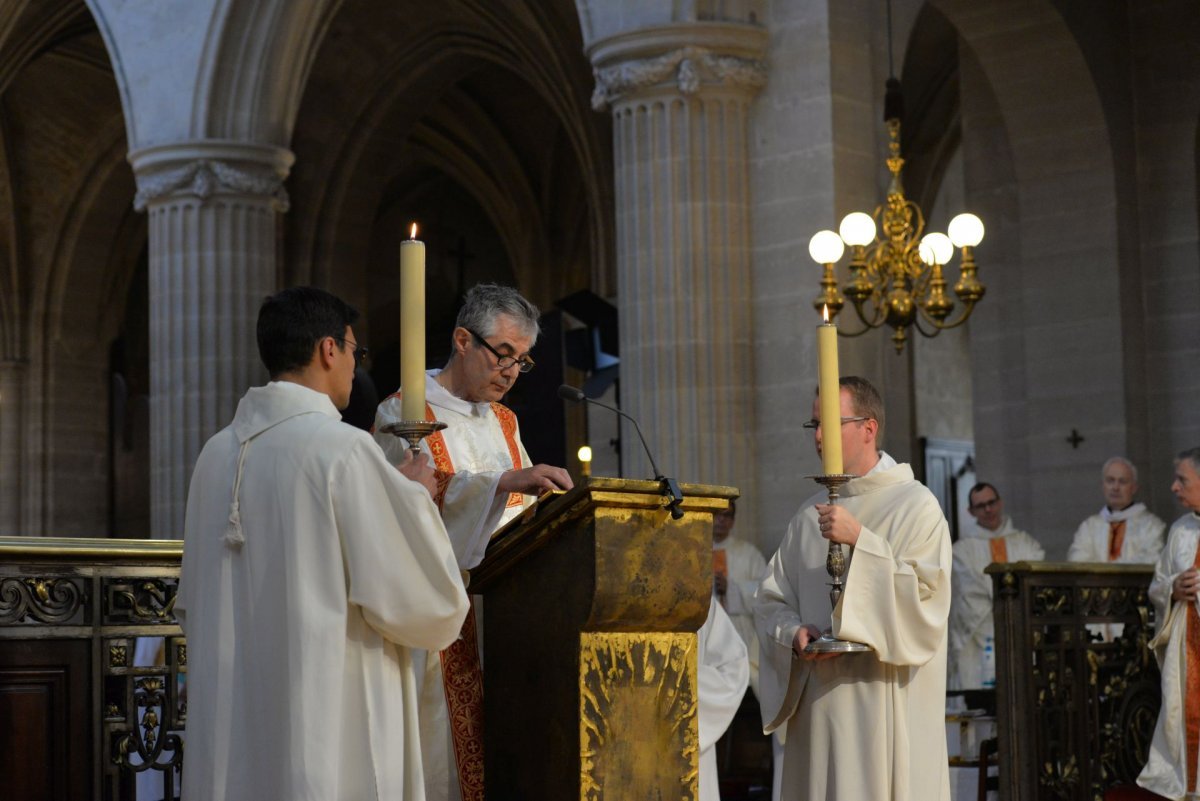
x,y
896,277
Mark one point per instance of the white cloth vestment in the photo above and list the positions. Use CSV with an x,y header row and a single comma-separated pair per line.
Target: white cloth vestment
x,y
971,605
310,569
1143,536
722,674
477,449
1165,772
870,725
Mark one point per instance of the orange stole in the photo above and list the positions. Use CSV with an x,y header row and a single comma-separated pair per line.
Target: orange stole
x,y
999,549
1116,539
508,425
1191,701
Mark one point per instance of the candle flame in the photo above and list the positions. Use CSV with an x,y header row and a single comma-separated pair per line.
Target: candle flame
x,y
413,235
825,313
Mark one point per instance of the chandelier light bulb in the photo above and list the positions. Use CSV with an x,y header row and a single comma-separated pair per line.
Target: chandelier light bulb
x,y
936,248
965,230
857,228
826,247
585,453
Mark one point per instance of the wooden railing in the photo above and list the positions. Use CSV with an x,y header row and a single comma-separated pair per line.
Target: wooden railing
x,y
92,669
1077,688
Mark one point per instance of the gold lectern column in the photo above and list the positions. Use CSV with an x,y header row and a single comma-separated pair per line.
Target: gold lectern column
x,y
591,609
643,684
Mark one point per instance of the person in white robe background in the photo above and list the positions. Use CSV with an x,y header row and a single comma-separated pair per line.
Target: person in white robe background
x,y
311,568
994,539
1172,766
738,569
867,725
485,478
722,674
1122,531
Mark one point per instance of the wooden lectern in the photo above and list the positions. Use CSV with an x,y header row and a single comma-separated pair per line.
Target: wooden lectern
x,y
591,604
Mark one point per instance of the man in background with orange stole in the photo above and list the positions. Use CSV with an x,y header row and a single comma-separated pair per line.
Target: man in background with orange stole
x,y
1122,531
484,479
992,539
1172,765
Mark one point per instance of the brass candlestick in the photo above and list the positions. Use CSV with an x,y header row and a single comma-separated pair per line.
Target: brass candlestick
x,y
835,565
413,431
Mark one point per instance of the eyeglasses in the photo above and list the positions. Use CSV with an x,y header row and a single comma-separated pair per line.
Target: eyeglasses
x,y
984,504
360,354
503,362
813,425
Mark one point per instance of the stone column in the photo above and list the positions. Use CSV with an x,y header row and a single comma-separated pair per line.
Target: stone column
x,y
214,209
13,373
679,96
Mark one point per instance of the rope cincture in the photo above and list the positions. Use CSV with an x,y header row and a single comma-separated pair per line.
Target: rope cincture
x,y
234,537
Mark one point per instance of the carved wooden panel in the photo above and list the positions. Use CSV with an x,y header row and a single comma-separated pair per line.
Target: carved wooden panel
x,y
1077,688
44,720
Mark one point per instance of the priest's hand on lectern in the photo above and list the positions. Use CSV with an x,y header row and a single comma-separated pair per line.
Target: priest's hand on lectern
x,y
535,480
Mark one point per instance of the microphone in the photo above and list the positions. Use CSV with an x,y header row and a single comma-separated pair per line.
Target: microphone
x,y
670,487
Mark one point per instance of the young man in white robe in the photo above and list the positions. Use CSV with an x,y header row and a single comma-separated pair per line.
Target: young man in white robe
x,y
1172,766
995,540
311,568
484,479
867,725
1122,531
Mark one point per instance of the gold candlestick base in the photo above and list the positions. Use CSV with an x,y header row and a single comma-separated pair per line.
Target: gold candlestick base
x,y
835,566
413,431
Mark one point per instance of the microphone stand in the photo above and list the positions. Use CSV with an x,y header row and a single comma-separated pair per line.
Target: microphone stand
x,y
669,486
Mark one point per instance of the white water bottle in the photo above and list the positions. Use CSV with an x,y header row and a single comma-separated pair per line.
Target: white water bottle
x,y
988,676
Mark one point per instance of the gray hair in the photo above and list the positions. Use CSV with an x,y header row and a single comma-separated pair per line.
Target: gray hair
x,y
1192,455
485,302
1119,460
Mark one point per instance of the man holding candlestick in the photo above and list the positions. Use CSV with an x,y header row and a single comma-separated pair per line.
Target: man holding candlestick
x,y
311,570
485,478
860,725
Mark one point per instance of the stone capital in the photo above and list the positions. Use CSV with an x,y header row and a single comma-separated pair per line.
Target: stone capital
x,y
210,168
684,59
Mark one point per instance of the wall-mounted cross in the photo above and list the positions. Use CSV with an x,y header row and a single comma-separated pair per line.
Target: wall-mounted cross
x,y
1075,438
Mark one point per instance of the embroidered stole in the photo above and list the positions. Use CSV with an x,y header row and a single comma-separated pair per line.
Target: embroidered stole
x,y
462,678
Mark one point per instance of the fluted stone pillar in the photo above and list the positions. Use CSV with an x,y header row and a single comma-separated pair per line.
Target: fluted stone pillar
x,y
214,208
679,96
13,375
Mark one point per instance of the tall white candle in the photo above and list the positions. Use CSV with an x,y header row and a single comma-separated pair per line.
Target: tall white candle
x,y
830,394
412,327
